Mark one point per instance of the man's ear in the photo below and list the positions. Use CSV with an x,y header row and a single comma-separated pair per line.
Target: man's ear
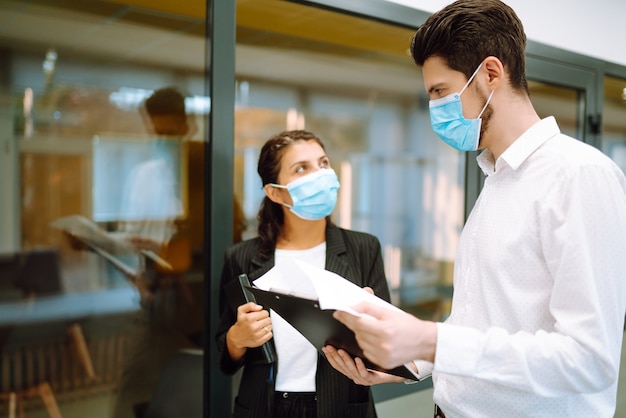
x,y
273,194
495,72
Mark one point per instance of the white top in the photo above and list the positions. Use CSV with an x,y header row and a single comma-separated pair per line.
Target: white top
x,y
539,286
150,201
297,357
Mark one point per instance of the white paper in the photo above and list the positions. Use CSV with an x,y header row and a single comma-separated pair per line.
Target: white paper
x,y
288,277
330,289
89,231
336,292
91,234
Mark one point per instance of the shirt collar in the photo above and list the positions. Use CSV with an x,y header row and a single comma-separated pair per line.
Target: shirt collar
x,y
522,147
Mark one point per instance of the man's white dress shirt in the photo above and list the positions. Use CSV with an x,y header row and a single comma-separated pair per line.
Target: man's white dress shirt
x,y
539,286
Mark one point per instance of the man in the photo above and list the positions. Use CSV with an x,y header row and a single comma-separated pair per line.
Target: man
x,y
151,201
537,316
151,193
151,208
152,204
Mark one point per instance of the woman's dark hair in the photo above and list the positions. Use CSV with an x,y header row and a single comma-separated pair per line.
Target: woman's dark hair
x,y
271,216
467,31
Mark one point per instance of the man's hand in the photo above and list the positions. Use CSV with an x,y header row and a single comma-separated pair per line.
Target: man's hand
x,y
252,329
355,368
74,242
390,338
144,243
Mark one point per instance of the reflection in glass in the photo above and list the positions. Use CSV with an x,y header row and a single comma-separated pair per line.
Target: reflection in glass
x,y
88,141
122,160
614,120
560,102
363,96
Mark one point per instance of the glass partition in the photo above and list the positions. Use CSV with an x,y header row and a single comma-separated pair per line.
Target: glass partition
x,y
614,120
352,82
561,102
102,129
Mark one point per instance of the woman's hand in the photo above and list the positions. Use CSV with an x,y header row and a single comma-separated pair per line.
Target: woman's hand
x,y
390,338
355,369
252,329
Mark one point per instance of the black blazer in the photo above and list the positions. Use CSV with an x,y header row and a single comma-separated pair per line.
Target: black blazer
x,y
353,255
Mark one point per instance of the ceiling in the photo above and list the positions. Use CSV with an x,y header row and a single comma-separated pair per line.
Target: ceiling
x,y
273,37
277,40
106,31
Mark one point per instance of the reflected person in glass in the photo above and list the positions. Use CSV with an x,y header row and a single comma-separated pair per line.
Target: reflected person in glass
x,y
152,211
539,292
151,200
166,326
294,223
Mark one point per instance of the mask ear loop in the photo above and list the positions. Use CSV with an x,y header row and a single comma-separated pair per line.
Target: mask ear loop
x,y
486,104
280,186
468,83
470,79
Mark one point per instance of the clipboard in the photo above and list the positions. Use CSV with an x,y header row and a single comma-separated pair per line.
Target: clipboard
x,y
318,325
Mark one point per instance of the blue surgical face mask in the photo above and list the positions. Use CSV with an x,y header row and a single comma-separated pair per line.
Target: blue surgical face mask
x,y
448,122
313,196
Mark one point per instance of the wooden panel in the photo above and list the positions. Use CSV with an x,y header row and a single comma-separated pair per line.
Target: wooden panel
x,y
52,187
332,28
191,8
291,20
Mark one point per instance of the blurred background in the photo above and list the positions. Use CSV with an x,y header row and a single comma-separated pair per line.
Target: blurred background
x,y
77,138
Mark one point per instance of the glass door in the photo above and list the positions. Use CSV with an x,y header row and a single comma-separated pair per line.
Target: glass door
x,y
351,81
614,120
102,138
566,92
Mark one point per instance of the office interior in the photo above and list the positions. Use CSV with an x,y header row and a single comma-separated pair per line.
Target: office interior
x,y
74,79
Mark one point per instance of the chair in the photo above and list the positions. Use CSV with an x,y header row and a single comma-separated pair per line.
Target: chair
x,y
75,333
43,390
9,271
16,397
39,272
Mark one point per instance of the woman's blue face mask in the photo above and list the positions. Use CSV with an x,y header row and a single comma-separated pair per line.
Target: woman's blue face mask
x,y
313,196
448,122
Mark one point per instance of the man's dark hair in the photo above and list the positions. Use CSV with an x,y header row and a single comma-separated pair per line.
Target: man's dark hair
x,y
466,32
166,101
166,112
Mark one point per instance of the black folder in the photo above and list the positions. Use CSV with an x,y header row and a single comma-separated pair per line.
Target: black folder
x,y
238,292
318,325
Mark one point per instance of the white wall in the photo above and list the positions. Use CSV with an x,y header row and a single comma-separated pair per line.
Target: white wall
x,y
590,27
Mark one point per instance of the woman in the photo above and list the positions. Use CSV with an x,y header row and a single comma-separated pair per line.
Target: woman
x,y
300,194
